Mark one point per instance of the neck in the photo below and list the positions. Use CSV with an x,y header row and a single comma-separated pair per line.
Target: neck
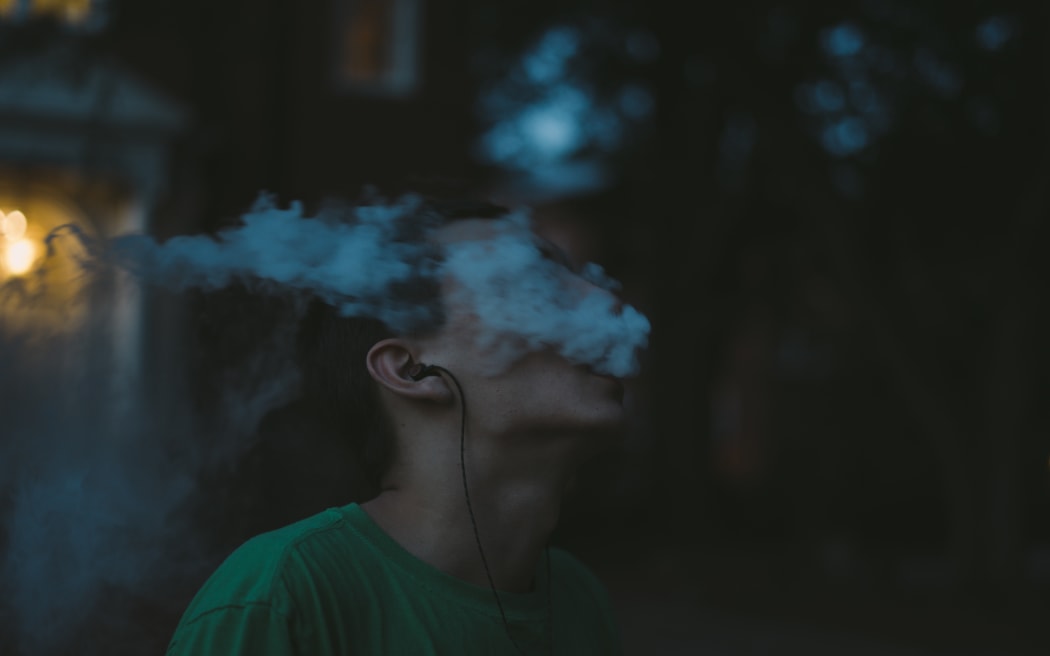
x,y
515,511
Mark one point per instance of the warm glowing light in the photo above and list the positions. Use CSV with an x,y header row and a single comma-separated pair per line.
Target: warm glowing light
x,y
69,8
76,12
71,11
54,285
13,225
19,256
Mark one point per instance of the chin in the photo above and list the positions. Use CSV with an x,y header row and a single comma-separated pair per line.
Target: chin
x,y
604,406
601,436
609,419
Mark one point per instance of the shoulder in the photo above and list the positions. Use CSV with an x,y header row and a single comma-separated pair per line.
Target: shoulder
x,y
288,591
579,596
575,584
257,573
568,569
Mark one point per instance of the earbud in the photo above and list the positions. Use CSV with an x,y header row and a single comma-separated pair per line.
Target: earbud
x,y
422,371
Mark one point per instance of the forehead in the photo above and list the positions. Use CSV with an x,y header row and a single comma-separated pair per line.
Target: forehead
x,y
496,261
468,230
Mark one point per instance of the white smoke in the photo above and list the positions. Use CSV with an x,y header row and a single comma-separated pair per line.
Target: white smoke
x,y
91,503
350,258
527,302
356,258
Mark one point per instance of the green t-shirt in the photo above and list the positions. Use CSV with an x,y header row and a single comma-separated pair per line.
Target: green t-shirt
x,y
335,583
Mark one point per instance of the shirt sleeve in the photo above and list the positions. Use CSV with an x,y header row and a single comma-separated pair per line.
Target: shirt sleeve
x,y
236,630
605,606
588,605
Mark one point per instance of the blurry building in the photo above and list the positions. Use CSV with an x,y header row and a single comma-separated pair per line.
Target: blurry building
x,y
84,153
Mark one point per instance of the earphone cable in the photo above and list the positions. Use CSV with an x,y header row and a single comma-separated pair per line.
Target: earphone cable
x,y
470,510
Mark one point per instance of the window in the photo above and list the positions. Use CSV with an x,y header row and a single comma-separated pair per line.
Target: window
x,y
377,46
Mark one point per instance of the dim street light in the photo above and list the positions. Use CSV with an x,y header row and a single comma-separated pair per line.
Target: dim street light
x,y
13,225
19,253
19,256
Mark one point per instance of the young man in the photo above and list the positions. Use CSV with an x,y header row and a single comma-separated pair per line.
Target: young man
x,y
477,428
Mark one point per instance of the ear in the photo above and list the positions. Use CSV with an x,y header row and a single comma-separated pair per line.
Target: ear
x,y
391,364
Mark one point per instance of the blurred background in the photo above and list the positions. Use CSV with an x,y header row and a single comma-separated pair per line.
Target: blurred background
x,y
833,213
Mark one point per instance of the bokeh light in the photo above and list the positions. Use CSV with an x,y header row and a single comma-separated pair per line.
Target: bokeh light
x,y
13,225
19,256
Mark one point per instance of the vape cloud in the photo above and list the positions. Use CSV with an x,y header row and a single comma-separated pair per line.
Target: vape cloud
x,y
527,302
89,498
99,477
349,257
358,258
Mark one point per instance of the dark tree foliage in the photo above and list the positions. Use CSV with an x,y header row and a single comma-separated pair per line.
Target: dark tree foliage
x,y
847,203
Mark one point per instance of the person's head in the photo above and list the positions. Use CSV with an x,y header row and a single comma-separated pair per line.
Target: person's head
x,y
332,348
496,317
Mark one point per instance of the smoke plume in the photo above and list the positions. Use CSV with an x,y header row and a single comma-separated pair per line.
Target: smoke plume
x,y
101,468
356,258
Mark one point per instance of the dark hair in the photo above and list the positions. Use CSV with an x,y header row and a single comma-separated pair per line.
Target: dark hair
x,y
332,348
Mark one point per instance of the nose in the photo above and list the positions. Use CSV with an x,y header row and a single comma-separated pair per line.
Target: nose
x,y
584,288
